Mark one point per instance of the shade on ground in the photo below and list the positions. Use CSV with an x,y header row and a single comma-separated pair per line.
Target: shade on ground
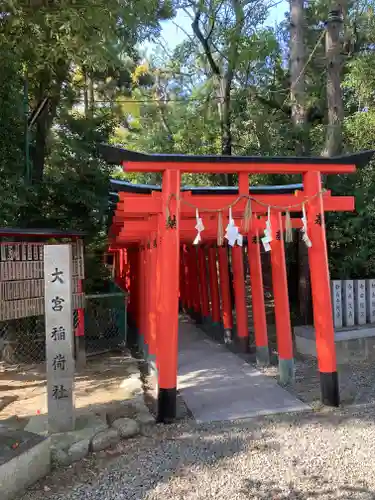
x,y
218,385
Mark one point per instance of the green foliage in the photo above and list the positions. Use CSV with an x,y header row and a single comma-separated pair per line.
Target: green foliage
x,y
12,162
84,58
77,55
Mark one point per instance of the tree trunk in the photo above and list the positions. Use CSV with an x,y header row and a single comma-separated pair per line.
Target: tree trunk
x,y
334,96
226,130
299,119
91,97
39,150
85,93
298,86
49,86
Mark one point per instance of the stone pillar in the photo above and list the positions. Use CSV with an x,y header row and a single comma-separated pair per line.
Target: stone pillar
x,y
336,292
59,337
348,301
370,300
360,301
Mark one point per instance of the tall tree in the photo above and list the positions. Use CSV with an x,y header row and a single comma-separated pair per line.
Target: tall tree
x,y
299,119
224,31
297,75
94,34
334,74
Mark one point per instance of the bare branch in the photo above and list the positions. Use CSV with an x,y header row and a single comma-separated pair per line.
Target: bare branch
x,y
204,42
183,30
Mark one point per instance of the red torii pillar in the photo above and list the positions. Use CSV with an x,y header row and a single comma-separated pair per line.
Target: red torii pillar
x,y
226,299
240,299
194,279
214,287
205,307
280,293
153,297
321,292
257,298
168,284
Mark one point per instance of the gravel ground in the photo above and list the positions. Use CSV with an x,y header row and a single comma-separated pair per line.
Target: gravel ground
x,y
325,455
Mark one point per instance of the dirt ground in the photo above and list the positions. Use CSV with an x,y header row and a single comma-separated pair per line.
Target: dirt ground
x,y
23,387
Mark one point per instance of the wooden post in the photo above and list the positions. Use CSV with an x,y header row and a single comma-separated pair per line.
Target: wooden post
x,y
257,298
320,284
240,299
226,299
205,308
214,288
280,292
169,258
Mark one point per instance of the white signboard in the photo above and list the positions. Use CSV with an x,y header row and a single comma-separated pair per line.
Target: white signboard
x,y
336,292
348,301
59,337
360,301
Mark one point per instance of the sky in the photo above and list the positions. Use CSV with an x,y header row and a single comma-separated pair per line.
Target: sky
x,y
175,31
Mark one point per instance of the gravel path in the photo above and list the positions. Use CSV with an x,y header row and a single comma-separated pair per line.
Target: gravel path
x,y
324,455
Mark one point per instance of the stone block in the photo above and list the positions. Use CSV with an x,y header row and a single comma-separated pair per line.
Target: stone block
x,y
105,439
352,345
60,457
79,450
145,418
126,427
24,459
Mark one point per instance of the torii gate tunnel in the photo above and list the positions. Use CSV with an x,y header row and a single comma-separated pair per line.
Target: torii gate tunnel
x,y
152,234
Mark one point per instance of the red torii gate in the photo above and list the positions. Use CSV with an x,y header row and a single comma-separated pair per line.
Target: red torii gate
x,y
159,222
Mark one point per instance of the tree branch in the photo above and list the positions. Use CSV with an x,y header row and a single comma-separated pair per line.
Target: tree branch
x,y
204,42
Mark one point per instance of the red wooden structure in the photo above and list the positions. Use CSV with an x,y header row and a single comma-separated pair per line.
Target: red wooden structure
x,y
160,265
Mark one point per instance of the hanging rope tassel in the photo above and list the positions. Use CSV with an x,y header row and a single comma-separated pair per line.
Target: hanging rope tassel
x,y
248,214
288,228
220,229
199,227
305,236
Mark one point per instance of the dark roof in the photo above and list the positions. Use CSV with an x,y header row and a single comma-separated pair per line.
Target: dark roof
x,y
117,155
127,187
43,233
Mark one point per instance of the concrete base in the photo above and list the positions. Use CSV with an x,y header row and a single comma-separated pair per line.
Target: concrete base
x,y
351,344
24,459
263,356
286,371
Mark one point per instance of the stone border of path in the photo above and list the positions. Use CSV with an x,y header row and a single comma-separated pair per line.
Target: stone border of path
x,y
97,429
